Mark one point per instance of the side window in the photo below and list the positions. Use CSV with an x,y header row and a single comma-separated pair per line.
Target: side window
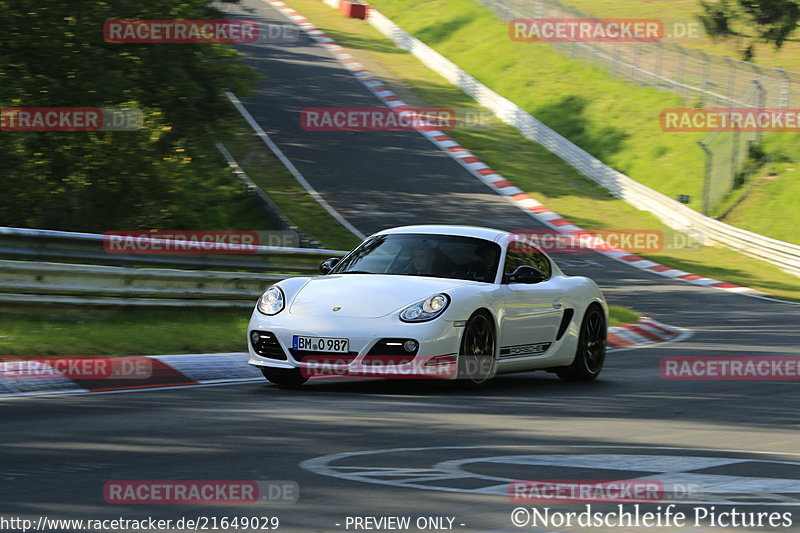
x,y
530,257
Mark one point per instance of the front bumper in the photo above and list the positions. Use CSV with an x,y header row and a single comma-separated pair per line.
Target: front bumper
x,y
435,358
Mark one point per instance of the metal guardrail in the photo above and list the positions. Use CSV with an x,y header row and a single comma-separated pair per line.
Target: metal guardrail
x,y
46,266
75,247
93,284
785,256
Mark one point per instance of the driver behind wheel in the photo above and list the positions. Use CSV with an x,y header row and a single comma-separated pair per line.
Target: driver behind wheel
x,y
483,267
427,259
422,261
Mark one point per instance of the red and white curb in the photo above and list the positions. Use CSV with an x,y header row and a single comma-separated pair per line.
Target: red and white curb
x,y
490,177
646,332
164,371
204,370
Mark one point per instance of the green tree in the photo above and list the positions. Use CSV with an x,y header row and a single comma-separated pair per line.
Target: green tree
x,y
749,22
53,54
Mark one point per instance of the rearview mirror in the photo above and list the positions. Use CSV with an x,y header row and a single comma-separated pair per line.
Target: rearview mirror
x,y
328,264
524,274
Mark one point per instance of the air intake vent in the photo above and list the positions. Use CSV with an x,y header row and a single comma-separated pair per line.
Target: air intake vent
x,y
266,344
565,320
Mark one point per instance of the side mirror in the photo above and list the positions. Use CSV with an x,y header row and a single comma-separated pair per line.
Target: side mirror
x,y
328,264
524,274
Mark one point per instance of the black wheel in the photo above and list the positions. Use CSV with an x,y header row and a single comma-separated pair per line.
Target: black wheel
x,y
591,351
476,362
284,377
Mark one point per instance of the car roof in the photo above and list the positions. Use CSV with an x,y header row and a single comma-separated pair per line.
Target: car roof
x,y
488,234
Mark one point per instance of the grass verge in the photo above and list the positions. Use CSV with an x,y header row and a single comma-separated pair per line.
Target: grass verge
x,y
110,332
528,165
619,315
121,331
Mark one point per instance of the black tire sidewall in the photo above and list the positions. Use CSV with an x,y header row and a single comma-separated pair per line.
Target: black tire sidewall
x,y
469,363
579,369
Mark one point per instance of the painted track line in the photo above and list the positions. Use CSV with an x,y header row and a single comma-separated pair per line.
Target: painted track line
x,y
290,166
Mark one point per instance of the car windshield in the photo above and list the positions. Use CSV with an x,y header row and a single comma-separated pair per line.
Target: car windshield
x,y
440,256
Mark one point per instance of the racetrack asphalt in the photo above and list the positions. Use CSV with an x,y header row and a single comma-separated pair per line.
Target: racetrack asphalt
x,y
57,452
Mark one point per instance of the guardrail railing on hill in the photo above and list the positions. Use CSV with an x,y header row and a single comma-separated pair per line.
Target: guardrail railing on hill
x,y
785,256
74,247
46,266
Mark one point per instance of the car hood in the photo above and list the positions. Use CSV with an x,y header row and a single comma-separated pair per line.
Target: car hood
x,y
365,295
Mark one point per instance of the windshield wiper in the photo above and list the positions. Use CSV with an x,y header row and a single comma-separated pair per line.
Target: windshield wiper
x,y
355,272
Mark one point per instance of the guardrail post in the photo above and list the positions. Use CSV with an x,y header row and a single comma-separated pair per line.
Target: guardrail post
x,y
707,177
761,97
785,92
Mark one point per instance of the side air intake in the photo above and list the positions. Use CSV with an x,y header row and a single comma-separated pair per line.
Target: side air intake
x,y
565,320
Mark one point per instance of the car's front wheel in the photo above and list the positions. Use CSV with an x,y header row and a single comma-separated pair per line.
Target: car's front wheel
x,y
591,351
476,362
284,377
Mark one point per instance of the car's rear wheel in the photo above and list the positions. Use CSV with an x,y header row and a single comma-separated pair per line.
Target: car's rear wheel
x,y
476,360
284,377
591,351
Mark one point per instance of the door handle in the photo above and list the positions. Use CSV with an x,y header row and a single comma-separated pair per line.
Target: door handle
x,y
557,305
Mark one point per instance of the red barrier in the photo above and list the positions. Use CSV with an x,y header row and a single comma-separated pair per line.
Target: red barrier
x,y
354,9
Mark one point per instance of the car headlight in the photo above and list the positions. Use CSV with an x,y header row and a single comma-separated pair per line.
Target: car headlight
x,y
426,309
272,301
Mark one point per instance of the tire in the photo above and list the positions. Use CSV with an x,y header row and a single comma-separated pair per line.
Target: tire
x,y
284,377
476,355
590,353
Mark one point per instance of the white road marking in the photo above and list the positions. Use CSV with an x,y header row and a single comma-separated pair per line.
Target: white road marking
x,y
672,469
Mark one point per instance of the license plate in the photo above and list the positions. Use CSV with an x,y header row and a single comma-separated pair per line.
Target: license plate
x,y
320,344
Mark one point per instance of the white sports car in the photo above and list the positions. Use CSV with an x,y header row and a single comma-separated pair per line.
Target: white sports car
x,y
448,302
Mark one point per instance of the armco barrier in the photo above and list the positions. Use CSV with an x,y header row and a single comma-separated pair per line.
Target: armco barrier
x,y
784,255
93,284
112,280
58,246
